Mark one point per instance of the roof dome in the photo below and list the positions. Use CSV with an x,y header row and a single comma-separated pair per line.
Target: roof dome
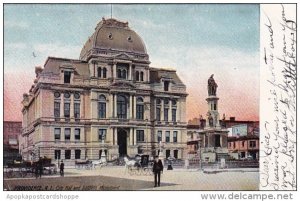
x,y
114,35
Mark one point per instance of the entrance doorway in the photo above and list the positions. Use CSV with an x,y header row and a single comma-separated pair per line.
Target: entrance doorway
x,y
217,141
122,142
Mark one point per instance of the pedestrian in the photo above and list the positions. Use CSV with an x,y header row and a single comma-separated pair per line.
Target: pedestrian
x,y
36,169
61,168
157,170
40,167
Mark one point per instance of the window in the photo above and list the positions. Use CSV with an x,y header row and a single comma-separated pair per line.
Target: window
x,y
176,154
67,77
140,135
252,144
229,144
174,136
67,95
140,109
13,140
101,134
174,115
67,134
77,134
57,154
158,114
104,73
166,85
233,144
167,136
174,103
166,114
124,74
56,94
77,96
77,110
119,73
215,106
142,76
67,110
56,109
57,134
243,143
99,71
102,107
67,154
168,153
137,76
159,136
166,102
121,107
77,153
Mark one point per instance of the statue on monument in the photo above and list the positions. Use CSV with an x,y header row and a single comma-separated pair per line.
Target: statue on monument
x,y
212,86
210,119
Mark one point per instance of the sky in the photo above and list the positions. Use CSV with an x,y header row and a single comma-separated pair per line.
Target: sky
x,y
195,39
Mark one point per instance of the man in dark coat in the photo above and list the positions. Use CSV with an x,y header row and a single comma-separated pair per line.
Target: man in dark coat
x,y
40,167
157,169
61,168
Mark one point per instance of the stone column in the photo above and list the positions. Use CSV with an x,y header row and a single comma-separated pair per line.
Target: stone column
x,y
221,141
178,109
170,111
134,106
130,136
133,137
162,111
130,106
130,72
111,105
115,136
115,105
115,70
72,106
62,105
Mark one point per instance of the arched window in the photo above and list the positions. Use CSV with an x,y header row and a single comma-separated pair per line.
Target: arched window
x,y
140,108
99,71
124,74
137,75
122,107
119,73
104,72
102,107
142,76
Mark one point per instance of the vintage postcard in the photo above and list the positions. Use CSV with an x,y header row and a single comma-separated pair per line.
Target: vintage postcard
x,y
150,97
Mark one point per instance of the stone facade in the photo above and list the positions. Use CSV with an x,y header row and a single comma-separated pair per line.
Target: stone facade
x,y
110,100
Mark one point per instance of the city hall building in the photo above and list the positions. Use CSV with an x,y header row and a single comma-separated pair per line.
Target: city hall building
x,y
110,100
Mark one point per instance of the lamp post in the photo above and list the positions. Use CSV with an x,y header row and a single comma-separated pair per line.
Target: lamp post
x,y
200,158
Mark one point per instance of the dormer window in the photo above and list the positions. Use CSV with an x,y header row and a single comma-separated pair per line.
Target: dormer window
x,y
166,85
129,39
67,77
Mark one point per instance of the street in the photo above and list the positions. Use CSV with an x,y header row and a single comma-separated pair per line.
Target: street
x,y
116,178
